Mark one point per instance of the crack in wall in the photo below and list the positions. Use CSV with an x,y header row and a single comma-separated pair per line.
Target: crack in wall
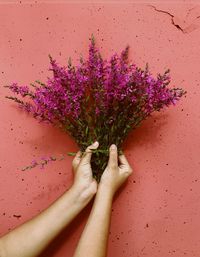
x,y
183,30
171,15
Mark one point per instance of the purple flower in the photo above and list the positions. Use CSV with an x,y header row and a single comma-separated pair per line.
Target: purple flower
x,y
22,90
99,98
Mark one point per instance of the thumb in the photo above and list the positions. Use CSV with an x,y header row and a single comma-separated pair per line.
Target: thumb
x,y
113,157
88,153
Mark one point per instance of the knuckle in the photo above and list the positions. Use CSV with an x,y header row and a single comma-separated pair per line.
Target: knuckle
x,y
130,170
127,172
88,150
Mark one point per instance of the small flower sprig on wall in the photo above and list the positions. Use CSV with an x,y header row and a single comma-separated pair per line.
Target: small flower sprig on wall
x,y
98,99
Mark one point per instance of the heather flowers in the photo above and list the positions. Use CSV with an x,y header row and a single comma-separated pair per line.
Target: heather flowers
x,y
99,99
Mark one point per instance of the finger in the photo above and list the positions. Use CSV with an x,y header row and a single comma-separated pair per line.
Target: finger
x,y
113,158
124,165
76,160
123,161
86,158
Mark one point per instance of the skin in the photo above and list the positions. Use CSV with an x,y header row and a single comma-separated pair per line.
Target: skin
x,y
93,242
42,229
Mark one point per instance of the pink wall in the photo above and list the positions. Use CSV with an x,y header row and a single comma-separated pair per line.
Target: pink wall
x,y
157,213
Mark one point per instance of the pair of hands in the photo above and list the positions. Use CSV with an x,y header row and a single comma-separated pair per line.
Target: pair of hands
x,y
113,177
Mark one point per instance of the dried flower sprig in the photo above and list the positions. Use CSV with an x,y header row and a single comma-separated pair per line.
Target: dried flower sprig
x,y
41,163
98,99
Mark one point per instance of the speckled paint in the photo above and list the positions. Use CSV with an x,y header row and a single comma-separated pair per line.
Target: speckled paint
x,y
157,212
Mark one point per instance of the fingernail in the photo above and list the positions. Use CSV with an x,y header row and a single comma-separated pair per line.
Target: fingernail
x,y
96,143
113,147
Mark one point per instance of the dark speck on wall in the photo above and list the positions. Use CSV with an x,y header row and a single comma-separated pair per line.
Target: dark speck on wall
x,y
16,216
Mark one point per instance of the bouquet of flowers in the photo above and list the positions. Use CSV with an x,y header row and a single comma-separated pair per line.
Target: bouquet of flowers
x,y
98,99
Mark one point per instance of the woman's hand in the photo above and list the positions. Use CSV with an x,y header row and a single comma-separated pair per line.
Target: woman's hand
x,y
115,175
84,183
93,242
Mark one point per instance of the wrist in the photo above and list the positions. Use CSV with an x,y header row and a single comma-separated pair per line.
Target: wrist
x,y
105,192
82,195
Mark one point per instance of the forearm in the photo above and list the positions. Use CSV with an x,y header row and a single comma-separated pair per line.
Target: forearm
x,y
32,237
93,242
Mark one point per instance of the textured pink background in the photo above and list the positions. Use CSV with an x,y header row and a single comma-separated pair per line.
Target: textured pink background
x,y
157,213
